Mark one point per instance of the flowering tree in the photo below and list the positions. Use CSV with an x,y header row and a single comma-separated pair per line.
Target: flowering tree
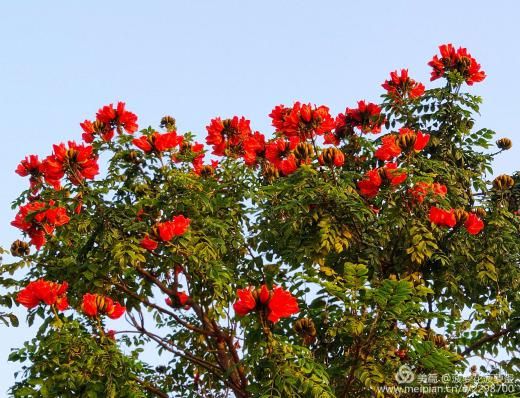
x,y
312,263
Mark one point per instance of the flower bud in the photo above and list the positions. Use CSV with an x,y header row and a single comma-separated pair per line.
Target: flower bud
x,y
168,123
461,216
504,143
20,248
131,157
206,171
332,157
306,329
270,172
503,182
303,152
480,211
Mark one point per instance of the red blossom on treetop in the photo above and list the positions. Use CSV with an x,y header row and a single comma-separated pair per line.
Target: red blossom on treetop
x,y
226,136
367,117
118,118
302,120
50,293
373,179
96,304
39,219
423,189
181,299
279,153
31,166
254,148
401,86
443,217
158,142
78,162
456,60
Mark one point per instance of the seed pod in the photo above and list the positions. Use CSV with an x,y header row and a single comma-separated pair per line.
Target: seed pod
x,y
306,329
504,143
503,182
20,248
168,123
303,152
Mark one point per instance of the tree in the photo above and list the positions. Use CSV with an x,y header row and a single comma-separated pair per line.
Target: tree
x,y
315,263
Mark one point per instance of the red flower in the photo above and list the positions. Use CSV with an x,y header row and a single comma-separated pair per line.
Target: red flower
x,y
94,304
180,300
473,224
411,139
254,148
226,136
282,304
118,118
423,189
443,217
77,161
31,166
459,61
367,117
389,148
50,293
158,142
39,219
165,232
369,185
91,129
401,86
246,301
279,153
303,121
278,303
149,244
394,175
205,170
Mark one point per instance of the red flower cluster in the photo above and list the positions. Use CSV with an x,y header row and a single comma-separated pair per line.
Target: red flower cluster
x,y
165,231
78,162
227,136
373,180
277,303
422,189
39,219
451,218
109,118
401,86
157,142
303,121
94,304
407,139
50,293
254,148
367,117
280,153
456,60
31,166
180,300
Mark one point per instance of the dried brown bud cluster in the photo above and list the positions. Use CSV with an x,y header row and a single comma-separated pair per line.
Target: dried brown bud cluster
x,y
168,123
504,143
20,248
503,182
306,329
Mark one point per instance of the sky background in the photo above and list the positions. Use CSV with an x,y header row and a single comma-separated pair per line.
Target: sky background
x,y
62,60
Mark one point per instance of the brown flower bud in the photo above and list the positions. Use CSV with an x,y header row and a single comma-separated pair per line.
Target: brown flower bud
x,y
206,171
439,340
503,182
332,157
306,329
131,157
304,152
461,216
480,211
19,248
406,141
168,123
270,172
504,143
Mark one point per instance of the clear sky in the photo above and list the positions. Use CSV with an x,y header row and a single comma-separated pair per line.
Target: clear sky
x,y
61,60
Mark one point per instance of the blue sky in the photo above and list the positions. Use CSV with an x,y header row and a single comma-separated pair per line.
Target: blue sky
x,y
61,60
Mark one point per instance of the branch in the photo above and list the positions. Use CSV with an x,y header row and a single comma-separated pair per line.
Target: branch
x,y
489,338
